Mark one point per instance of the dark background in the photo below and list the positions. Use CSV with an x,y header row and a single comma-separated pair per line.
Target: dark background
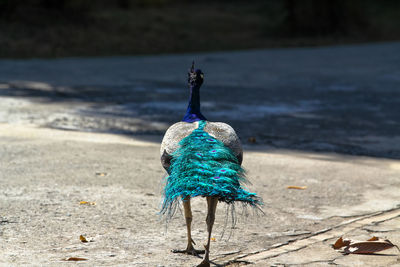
x,y
59,28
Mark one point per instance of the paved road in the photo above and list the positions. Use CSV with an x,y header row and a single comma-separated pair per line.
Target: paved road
x,y
76,130
45,173
342,99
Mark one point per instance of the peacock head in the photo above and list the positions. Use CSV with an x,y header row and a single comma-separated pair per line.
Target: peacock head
x,y
195,77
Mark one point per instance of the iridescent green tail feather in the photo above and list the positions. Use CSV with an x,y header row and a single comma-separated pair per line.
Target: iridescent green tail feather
x,y
204,166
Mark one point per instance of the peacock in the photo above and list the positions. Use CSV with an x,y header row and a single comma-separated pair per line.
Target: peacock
x,y
202,158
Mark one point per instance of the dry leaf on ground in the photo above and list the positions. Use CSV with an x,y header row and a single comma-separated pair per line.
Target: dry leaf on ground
x,y
75,259
296,187
83,239
87,203
374,238
252,140
370,246
341,243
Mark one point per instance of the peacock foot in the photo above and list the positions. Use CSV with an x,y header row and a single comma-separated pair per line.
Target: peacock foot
x,y
190,250
204,263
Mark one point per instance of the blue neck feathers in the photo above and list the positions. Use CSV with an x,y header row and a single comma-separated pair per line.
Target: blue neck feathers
x,y
193,110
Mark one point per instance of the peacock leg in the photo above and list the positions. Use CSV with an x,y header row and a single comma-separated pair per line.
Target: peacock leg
x,y
188,217
212,207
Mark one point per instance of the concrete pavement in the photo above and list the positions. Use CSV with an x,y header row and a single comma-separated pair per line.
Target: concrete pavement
x,y
45,173
75,130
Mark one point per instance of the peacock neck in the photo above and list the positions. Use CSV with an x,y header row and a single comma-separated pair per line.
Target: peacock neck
x,y
193,110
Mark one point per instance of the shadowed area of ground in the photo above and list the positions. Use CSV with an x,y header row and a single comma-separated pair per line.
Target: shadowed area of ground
x,y
341,99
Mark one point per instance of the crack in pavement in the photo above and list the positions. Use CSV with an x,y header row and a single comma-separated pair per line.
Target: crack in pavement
x,y
6,222
319,236
330,262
